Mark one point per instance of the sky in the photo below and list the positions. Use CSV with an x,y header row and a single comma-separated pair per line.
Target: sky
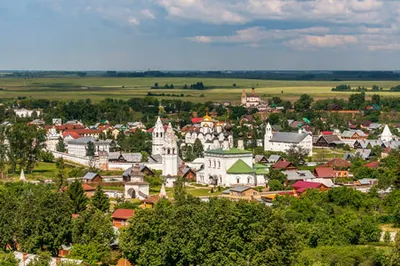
x,y
200,34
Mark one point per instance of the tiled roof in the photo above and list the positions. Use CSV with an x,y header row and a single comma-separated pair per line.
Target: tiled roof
x,y
240,167
282,165
374,164
324,172
124,214
338,163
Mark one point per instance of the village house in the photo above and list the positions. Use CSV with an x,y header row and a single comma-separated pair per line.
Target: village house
x,y
241,193
120,217
78,147
91,177
284,165
283,141
302,186
341,167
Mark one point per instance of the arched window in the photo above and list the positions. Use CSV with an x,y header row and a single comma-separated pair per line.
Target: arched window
x,y
209,163
160,135
168,151
156,135
219,164
249,180
215,164
238,180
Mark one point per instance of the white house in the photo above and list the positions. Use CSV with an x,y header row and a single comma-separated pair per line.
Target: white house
x,y
136,187
25,112
283,141
230,167
78,147
52,138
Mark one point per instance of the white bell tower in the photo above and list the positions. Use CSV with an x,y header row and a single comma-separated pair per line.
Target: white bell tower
x,y
267,137
170,153
158,138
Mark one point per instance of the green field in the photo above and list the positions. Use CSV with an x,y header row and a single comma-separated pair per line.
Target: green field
x,y
97,88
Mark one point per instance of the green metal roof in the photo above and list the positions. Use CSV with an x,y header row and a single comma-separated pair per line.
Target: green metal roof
x,y
261,171
230,151
259,165
240,167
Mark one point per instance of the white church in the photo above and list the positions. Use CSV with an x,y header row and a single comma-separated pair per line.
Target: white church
x,y
230,167
165,146
211,134
283,141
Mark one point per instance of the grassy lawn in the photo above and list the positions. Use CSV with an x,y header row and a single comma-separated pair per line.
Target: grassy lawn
x,y
41,171
323,155
97,88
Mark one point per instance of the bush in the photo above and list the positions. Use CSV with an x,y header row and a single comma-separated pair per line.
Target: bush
x,y
47,156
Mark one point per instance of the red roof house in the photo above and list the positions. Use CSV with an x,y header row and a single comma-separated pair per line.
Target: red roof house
x,y
121,216
324,172
301,186
284,165
338,163
373,165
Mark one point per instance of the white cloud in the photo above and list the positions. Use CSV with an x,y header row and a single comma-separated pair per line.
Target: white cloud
x,y
325,41
133,21
241,11
255,35
148,14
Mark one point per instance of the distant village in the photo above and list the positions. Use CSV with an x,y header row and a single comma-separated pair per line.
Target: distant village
x,y
256,158
224,160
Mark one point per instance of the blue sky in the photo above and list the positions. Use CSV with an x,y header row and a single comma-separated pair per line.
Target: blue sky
x,y
199,34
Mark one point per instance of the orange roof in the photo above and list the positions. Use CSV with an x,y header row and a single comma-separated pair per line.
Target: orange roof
x,y
374,164
283,165
69,127
124,214
338,162
87,187
324,172
152,199
72,134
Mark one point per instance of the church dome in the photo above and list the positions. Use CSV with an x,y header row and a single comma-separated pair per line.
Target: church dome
x,y
207,118
228,127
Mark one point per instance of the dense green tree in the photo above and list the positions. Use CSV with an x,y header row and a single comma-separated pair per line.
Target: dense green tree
x,y
304,103
297,155
357,101
275,185
198,149
90,149
61,178
395,255
78,197
25,145
347,255
92,253
100,200
60,145
190,234
93,226
8,259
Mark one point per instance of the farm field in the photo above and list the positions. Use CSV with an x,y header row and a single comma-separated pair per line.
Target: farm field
x,y
98,88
